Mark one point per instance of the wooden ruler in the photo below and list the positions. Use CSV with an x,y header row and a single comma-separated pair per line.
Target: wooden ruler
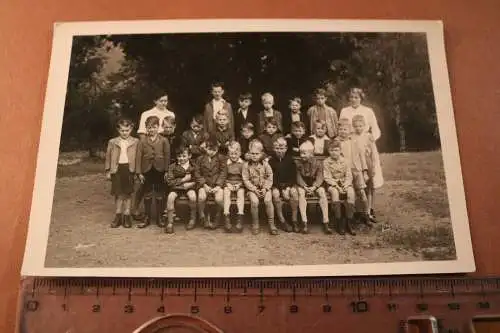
x,y
424,305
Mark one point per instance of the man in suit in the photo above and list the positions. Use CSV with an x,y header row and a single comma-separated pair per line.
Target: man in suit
x,y
213,107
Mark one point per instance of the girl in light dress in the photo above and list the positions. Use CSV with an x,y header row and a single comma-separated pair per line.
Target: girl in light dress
x,y
366,119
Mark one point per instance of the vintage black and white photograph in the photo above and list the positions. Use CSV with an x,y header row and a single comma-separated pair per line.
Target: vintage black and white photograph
x,y
248,148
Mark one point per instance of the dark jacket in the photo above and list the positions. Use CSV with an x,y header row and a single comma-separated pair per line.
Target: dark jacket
x,y
252,117
262,121
267,142
294,144
209,121
175,175
153,154
174,142
284,171
223,138
210,171
193,143
244,143
287,122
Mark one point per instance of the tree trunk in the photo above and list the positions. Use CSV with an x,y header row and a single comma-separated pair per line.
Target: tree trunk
x,y
401,129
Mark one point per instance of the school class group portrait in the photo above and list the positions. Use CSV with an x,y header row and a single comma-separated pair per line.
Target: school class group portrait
x,y
260,159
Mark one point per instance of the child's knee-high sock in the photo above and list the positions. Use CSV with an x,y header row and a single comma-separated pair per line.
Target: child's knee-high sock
x,y
254,210
139,196
192,210
201,208
270,213
303,209
294,205
227,202
337,210
369,200
279,209
119,204
240,202
127,202
323,204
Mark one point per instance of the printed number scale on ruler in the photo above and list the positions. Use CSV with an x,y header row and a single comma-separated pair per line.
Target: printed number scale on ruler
x,y
356,305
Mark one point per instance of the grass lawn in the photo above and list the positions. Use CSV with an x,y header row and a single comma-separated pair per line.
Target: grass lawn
x,y
412,208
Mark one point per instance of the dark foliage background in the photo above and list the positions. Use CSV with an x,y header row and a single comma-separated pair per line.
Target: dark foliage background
x,y
392,68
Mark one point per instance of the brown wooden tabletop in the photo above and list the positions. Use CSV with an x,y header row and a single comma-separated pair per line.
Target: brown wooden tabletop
x,y
473,53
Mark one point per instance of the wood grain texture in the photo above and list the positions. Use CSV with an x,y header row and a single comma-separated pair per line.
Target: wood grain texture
x,y
473,50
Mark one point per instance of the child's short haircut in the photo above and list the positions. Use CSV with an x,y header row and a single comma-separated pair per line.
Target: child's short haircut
x,y
280,142
152,121
169,120
320,123
358,119
245,96
271,121
248,126
160,96
307,146
298,124
197,119
357,91
212,143
256,144
267,97
181,150
124,122
222,113
296,100
335,143
217,84
320,92
234,146
344,122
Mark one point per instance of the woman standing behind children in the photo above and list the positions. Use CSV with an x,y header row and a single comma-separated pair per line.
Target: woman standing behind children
x,y
322,112
153,158
180,180
120,168
356,96
269,113
159,110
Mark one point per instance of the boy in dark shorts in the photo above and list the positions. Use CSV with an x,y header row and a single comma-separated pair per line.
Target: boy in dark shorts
x,y
153,158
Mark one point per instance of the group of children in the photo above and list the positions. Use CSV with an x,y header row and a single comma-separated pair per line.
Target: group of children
x,y
265,156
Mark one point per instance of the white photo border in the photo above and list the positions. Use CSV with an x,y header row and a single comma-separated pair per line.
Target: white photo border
x,y
45,177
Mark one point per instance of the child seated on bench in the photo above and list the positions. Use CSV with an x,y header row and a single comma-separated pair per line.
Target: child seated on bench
x,y
258,179
210,177
284,180
309,181
180,181
234,183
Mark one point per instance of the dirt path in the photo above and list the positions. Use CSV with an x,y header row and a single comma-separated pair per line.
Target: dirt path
x,y
80,235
